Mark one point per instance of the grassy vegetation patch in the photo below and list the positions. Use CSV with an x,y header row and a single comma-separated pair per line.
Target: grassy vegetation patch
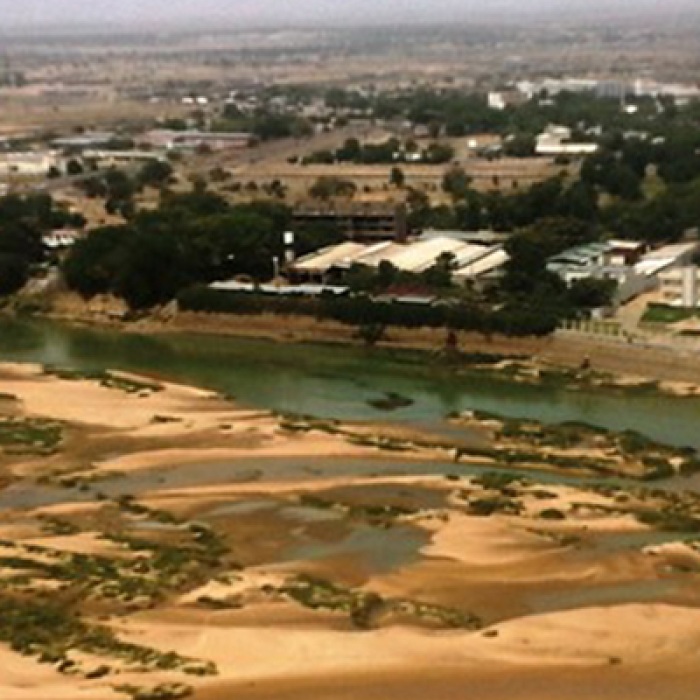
x,y
365,609
575,446
187,559
30,435
484,507
106,379
164,691
497,480
670,520
661,313
43,591
375,514
51,631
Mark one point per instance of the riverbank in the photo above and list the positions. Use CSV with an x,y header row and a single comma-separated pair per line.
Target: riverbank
x,y
574,361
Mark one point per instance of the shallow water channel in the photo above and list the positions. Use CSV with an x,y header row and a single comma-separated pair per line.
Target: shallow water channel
x,y
339,382
343,383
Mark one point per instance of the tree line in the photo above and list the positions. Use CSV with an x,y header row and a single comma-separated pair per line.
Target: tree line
x,y
191,238
23,223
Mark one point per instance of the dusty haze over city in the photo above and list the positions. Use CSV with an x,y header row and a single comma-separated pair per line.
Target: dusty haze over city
x,y
41,13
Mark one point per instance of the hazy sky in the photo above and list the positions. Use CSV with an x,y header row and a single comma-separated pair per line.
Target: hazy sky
x,y
246,12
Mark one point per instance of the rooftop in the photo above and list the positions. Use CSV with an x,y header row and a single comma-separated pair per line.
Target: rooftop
x,y
326,258
419,256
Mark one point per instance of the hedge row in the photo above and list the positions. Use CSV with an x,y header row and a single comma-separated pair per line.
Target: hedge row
x,y
362,311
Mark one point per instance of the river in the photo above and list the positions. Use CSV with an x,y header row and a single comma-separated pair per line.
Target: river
x,y
338,382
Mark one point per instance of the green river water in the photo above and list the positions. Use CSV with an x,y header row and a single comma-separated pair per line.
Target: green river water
x,y
341,383
338,382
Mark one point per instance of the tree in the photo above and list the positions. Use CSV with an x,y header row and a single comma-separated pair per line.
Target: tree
x,y
613,176
439,276
371,334
625,183
268,126
434,129
94,261
456,183
152,270
14,273
327,187
324,157
397,177
591,293
580,201
155,173
94,187
469,213
175,124
439,154
350,151
521,145
361,278
74,167
387,275
23,221
313,236
526,277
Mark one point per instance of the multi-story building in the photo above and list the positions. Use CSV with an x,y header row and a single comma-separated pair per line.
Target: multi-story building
x,y
359,221
681,286
626,262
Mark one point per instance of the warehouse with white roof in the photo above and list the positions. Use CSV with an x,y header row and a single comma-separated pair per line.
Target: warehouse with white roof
x,y
469,260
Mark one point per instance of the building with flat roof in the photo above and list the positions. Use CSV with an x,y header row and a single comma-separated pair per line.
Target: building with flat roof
x,y
668,257
90,139
114,158
680,286
502,99
625,262
192,139
580,262
360,221
28,164
556,141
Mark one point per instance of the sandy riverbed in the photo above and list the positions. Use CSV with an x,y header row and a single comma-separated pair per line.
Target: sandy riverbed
x,y
566,610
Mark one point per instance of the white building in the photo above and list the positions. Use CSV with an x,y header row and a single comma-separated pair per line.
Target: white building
x,y
679,92
116,158
668,257
90,139
681,286
625,262
28,164
505,98
60,239
556,141
554,86
496,100
192,139
470,261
